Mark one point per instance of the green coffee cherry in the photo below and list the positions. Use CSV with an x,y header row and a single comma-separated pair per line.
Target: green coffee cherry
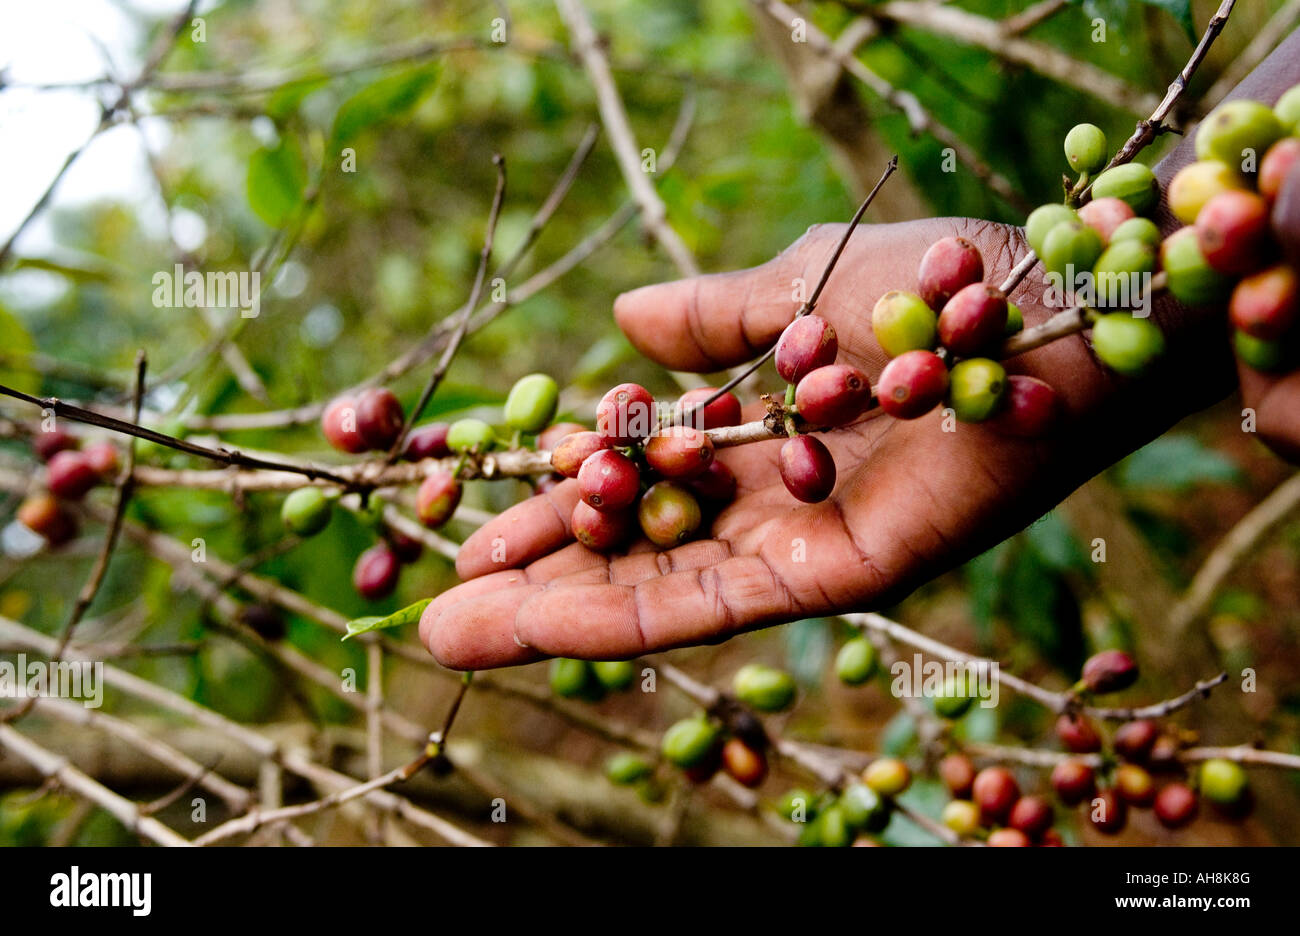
x,y
955,698
1287,111
1141,230
1190,279
888,776
764,687
1265,356
1122,273
615,675
1125,344
834,829
975,388
531,403
1222,781
1071,247
797,803
863,808
470,435
1132,182
306,511
1015,319
570,678
1085,148
625,769
962,816
1041,221
1237,130
856,661
689,742
901,322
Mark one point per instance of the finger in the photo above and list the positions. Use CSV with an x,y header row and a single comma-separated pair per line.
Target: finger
x,y
478,631
1276,404
1286,215
527,531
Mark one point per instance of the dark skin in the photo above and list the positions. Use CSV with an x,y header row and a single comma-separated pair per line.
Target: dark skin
x,y
911,500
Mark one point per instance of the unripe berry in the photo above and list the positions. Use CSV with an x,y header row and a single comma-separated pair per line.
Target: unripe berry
x,y
1142,230
958,775
689,742
679,452
1032,815
746,766
863,808
1134,785
807,469
69,475
1043,219
601,530
1069,249
1175,806
954,699
614,675
888,776
1264,356
1109,671
1232,232
948,266
531,403
437,499
833,395
571,679
626,768
470,435
102,458
1029,408
717,483
1104,215
902,322
962,816
1222,781
807,343
856,662
974,320
1073,781
724,411
1077,734
1190,278
46,517
1133,740
796,805
625,414
48,444
833,829
379,417
1085,148
1195,184
1015,319
668,514
575,448
1276,165
1264,305
428,441
1133,183
975,388
912,384
1122,273
1107,812
609,480
995,791
1287,110
1008,838
1125,344
306,511
376,571
1237,129
764,687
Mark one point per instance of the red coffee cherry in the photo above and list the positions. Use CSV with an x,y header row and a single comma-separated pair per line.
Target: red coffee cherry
x,y
1073,781
669,514
974,320
1176,806
1133,740
102,458
995,791
746,766
1164,754
1077,734
912,384
45,516
69,475
1134,785
1264,305
407,549
550,437
1275,166
379,417
601,530
833,395
807,469
1032,815
1109,671
950,265
807,343
1028,409
609,480
1107,813
717,483
428,441
1052,839
724,411
1103,215
48,444
679,452
1008,838
375,574
958,775
625,414
437,499
339,425
574,449
1232,231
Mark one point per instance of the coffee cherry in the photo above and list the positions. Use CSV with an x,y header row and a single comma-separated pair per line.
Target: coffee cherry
x,y
912,384
796,805
679,452
746,766
102,458
833,395
626,769
856,662
704,771
1195,184
962,816
948,266
902,322
609,480
379,417
375,574
1276,165
1191,279
1032,815
717,483
1236,127
958,775
1107,813
1077,734
1264,356
1104,215
437,499
1122,273
1264,305
1133,740
1134,785
669,514
1142,230
1085,148
1043,219
807,469
995,791
888,776
1125,344
614,675
625,414
571,679
575,448
306,511
863,808
954,699
265,621
1222,781
470,435
46,517
69,475
1133,183
531,403
1069,249
974,320
975,388
1029,408
807,343
1232,232
1051,839
550,437
1287,111
427,441
724,411
1175,805
1073,781
689,742
48,444
764,687
601,530
1015,319
1164,754
1109,671
1008,838
407,549
833,829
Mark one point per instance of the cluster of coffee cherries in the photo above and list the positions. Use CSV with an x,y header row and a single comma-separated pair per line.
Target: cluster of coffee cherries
x,y
852,815
70,472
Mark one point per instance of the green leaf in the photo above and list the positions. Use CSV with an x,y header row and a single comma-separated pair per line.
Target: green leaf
x,y
276,179
389,97
408,615
807,649
15,346
1056,546
1181,11
1177,462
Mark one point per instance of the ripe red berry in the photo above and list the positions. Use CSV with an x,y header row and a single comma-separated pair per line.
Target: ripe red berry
x,y
437,499
1232,232
1134,785
407,549
601,530
379,417
1107,812
833,395
807,469
1029,408
995,791
949,265
717,483
724,411
1077,734
1008,838
574,449
912,384
375,574
974,320
339,425
669,514
807,343
1103,215
48,444
428,441
1109,671
550,437
45,516
1032,815
958,775
1133,740
609,480
1265,305
1073,781
625,414
1176,805
69,475
679,452
102,458
1275,166
747,766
